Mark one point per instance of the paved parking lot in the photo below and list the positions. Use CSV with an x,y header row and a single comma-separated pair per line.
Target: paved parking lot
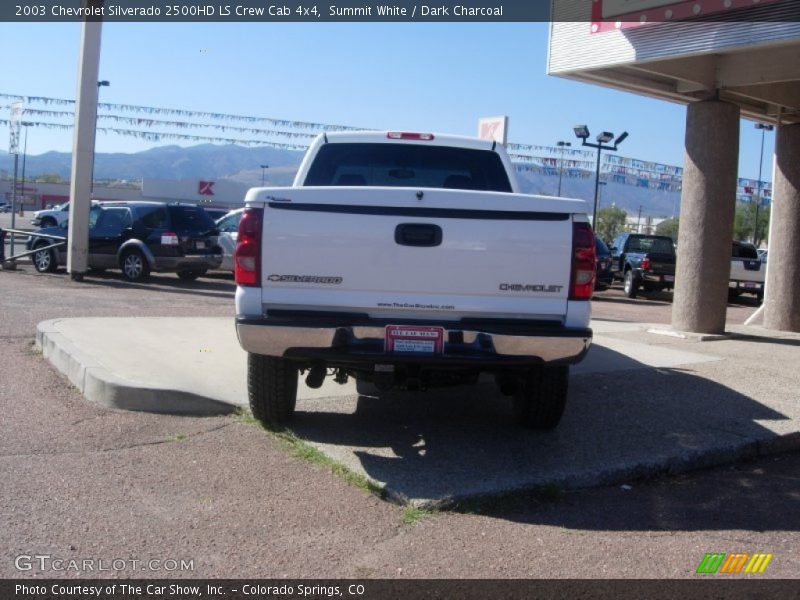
x,y
85,481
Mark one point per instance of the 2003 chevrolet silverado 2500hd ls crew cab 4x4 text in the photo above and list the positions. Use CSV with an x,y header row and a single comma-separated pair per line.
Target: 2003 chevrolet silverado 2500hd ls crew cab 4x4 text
x,y
411,260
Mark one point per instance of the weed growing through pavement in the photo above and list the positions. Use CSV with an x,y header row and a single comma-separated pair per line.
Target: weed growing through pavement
x,y
305,451
414,514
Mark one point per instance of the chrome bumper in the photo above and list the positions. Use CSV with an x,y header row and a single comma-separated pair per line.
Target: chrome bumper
x,y
365,342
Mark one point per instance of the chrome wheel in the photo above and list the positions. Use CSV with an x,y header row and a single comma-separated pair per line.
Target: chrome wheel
x,y
133,266
43,261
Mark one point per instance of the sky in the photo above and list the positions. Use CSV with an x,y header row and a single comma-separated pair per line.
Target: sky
x,y
400,76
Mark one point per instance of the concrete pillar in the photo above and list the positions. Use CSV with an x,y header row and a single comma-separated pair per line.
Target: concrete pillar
x,y
708,202
782,305
83,150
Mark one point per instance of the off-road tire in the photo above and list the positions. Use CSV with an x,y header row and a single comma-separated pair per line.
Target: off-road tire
x,y
539,403
272,389
630,284
44,261
134,265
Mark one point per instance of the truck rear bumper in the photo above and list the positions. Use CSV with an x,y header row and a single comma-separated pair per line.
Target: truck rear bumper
x,y
473,342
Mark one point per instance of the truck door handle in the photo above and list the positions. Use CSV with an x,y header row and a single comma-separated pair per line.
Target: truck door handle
x,y
423,235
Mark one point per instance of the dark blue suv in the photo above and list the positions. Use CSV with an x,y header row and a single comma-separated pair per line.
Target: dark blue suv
x,y
140,237
604,275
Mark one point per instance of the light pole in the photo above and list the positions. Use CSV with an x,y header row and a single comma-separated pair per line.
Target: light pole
x,y
561,145
263,173
764,128
582,132
103,83
24,156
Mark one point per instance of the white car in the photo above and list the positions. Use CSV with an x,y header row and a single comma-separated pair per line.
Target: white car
x,y
228,228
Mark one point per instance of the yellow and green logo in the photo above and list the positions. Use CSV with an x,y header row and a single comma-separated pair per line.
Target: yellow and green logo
x,y
735,562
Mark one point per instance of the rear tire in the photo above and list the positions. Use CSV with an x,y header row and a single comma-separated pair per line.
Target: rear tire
x,y
540,401
631,284
134,265
44,261
272,389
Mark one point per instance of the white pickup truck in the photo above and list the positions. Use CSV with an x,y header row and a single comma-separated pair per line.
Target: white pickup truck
x,y
411,260
748,273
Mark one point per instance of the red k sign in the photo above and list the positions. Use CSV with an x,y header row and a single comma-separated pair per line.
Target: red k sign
x,y
205,188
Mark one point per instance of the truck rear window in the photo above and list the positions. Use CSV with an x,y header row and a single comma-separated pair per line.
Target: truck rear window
x,y
651,244
744,251
408,165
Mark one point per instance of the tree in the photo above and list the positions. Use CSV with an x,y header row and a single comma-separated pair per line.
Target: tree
x,y
610,221
670,227
744,220
49,178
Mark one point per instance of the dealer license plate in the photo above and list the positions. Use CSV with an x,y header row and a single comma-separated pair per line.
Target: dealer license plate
x,y
414,339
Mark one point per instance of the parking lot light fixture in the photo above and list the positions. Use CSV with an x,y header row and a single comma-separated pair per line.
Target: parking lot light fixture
x,y
582,132
263,173
605,137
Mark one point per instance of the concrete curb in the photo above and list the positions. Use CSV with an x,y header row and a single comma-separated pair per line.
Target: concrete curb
x,y
101,386
715,457
688,335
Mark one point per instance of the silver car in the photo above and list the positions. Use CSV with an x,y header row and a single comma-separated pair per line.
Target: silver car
x,y
228,229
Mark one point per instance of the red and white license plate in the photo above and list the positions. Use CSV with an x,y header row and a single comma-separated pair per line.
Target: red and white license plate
x,y
414,339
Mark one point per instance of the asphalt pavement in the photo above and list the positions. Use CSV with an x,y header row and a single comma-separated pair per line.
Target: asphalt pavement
x,y
82,480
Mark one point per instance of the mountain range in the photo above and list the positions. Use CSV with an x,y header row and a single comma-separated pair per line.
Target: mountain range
x,y
243,164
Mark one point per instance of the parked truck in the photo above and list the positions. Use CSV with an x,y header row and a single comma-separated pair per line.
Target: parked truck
x,y
643,262
411,260
748,271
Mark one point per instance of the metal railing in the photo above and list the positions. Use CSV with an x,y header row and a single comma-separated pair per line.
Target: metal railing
x,y
59,240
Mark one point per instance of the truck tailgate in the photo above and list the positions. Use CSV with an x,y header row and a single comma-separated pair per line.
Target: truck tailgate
x,y
435,253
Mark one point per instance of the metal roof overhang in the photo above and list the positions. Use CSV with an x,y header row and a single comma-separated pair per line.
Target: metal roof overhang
x,y
749,56
763,82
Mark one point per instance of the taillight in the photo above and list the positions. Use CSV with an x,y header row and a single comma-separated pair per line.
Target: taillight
x,y
581,286
247,257
646,264
409,135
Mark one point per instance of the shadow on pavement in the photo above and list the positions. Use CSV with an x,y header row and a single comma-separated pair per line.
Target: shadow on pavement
x,y
655,299
462,442
216,287
748,496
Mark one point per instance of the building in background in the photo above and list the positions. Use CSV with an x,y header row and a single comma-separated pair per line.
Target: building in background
x,y
725,61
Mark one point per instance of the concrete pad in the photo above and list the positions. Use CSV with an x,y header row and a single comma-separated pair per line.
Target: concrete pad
x,y
164,365
635,408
